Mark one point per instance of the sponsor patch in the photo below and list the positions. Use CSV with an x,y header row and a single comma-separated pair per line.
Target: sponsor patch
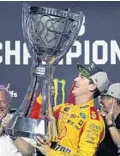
x,y
80,123
94,114
66,109
77,127
70,122
95,127
90,137
74,116
86,106
62,133
61,148
83,115
90,142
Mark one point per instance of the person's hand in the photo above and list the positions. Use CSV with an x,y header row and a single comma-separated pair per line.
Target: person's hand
x,y
43,145
6,120
110,117
2,115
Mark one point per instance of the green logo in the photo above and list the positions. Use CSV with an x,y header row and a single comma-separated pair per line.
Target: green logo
x,y
83,115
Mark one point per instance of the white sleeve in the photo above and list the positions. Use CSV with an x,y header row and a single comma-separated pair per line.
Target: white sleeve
x,y
17,154
11,148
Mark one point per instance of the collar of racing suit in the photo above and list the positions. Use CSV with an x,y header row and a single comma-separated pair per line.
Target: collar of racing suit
x,y
87,104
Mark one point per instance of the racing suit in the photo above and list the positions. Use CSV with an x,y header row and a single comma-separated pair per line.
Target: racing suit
x,y
80,130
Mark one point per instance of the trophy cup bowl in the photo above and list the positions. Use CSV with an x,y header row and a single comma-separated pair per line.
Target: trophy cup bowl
x,y
49,34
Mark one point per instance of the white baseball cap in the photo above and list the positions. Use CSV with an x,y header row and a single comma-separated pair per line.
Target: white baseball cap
x,y
114,90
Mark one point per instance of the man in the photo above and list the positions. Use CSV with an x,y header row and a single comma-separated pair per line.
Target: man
x,y
9,147
110,102
80,127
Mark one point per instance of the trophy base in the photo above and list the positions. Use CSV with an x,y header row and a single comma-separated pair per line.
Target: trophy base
x,y
29,128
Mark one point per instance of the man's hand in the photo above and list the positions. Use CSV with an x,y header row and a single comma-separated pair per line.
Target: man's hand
x,y
43,145
6,120
2,115
110,117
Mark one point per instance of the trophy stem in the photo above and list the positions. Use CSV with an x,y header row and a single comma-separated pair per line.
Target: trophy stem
x,y
35,89
46,91
32,96
21,123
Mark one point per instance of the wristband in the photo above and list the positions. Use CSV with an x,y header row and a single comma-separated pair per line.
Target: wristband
x,y
111,125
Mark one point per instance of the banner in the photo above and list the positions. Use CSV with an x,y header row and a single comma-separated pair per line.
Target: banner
x,y
98,42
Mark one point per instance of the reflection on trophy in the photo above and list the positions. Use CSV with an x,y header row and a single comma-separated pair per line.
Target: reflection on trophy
x,y
49,34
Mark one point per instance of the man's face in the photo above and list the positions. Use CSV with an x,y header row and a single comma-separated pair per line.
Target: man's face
x,y
4,106
106,102
81,85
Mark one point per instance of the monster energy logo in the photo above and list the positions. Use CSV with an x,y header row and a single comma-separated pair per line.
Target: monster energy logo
x,y
85,73
59,84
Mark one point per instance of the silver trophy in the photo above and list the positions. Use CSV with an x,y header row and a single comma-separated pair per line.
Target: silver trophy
x,y
49,34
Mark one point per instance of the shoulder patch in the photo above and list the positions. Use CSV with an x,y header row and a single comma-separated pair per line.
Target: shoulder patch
x,y
94,114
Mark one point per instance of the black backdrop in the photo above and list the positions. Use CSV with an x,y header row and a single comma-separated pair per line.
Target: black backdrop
x,y
98,41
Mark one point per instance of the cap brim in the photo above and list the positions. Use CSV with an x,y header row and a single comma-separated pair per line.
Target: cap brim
x,y
84,71
104,93
79,66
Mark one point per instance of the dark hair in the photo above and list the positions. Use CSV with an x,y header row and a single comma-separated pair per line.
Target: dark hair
x,y
96,91
118,101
